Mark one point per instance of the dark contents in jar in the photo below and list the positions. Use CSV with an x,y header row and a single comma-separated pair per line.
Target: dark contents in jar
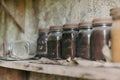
x,y
42,44
68,45
83,45
98,39
54,42
54,49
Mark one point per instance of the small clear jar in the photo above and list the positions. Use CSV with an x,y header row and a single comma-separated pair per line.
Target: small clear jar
x,y
83,40
54,42
19,49
100,37
69,40
115,32
42,43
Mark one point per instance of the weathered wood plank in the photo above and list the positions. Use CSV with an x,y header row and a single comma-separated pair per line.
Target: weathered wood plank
x,y
11,74
36,13
20,12
10,25
2,27
5,8
71,71
30,24
39,76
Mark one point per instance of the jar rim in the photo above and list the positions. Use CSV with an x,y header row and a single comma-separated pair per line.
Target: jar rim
x,y
87,24
115,12
70,26
102,21
102,25
56,28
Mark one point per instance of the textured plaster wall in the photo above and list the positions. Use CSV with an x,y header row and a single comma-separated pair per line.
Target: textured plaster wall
x,y
57,12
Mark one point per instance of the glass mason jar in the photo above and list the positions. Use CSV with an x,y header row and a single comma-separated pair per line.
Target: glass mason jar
x,y
100,37
54,42
115,32
83,40
69,40
42,43
20,49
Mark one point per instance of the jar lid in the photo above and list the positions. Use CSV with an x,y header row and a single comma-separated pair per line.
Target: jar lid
x,y
102,21
56,27
115,12
43,29
85,24
70,26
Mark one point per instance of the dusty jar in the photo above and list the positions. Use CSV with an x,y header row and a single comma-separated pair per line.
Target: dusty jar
x,y
20,49
42,42
69,40
100,37
54,42
83,40
115,13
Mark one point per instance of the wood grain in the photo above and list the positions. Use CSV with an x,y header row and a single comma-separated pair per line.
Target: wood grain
x,y
11,74
71,71
13,18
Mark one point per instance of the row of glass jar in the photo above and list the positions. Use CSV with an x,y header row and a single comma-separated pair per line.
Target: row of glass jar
x,y
85,40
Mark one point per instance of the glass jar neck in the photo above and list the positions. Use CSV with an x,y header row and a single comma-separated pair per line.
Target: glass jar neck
x,y
85,27
55,31
70,29
102,25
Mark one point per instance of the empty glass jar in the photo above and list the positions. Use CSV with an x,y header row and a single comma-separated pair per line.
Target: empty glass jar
x,y
20,49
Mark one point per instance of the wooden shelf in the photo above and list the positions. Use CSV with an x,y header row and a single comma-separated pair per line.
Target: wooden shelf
x,y
71,71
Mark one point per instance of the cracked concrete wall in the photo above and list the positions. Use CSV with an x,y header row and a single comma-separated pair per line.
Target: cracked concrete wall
x,y
32,14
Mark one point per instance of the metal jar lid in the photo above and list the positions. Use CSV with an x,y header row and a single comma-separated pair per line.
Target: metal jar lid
x,y
70,26
115,12
85,24
100,21
52,28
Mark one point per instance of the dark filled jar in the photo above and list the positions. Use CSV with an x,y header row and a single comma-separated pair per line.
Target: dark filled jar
x,y
69,40
83,40
42,43
54,42
100,37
